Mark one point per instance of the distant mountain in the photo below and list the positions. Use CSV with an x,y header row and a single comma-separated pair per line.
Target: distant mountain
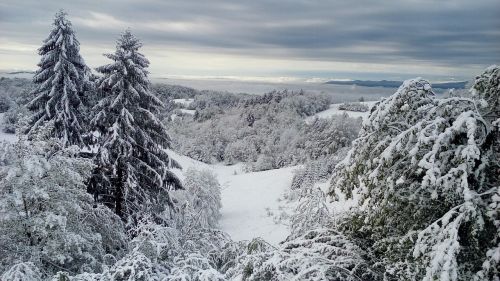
x,y
21,72
396,84
25,74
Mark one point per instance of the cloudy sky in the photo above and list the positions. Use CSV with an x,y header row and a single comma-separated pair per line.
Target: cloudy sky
x,y
309,39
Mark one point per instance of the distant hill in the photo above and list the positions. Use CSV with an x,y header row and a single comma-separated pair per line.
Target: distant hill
x,y
396,84
21,72
17,74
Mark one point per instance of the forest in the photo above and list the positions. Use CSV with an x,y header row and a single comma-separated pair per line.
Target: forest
x,y
96,181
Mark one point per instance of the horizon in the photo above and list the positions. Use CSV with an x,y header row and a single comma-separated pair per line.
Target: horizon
x,y
251,79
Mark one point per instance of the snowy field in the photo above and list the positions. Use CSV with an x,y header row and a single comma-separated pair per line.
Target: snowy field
x,y
251,202
184,102
334,110
246,199
188,111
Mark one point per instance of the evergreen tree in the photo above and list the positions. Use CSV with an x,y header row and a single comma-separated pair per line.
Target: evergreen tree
x,y
426,170
133,165
61,81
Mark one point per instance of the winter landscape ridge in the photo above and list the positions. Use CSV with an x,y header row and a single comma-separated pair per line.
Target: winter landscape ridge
x,y
114,173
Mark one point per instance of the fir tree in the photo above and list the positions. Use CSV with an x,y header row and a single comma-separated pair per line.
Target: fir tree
x,y
133,174
61,81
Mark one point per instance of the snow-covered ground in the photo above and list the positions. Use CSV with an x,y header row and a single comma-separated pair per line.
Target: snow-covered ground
x,y
184,102
188,111
247,198
334,110
250,201
184,111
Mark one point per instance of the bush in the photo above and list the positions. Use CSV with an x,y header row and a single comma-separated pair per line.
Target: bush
x,y
318,255
200,200
12,117
48,219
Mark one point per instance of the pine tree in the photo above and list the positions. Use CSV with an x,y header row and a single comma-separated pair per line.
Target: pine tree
x,y
61,81
133,166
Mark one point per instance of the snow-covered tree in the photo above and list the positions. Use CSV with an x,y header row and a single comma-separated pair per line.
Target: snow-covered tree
x,y
194,267
311,212
240,151
46,216
201,200
132,174
388,118
318,255
61,82
423,169
22,271
319,170
487,88
266,132
159,252
133,267
156,242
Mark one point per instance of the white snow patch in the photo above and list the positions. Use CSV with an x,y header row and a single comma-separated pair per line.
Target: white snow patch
x,y
334,110
188,111
341,205
246,199
184,102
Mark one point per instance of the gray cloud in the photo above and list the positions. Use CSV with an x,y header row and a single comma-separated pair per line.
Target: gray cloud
x,y
456,33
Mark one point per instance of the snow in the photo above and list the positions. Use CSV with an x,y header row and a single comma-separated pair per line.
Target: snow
x,y
185,111
185,102
188,111
246,199
334,110
342,205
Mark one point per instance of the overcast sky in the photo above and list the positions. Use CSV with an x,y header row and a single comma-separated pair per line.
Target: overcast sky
x,y
363,39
